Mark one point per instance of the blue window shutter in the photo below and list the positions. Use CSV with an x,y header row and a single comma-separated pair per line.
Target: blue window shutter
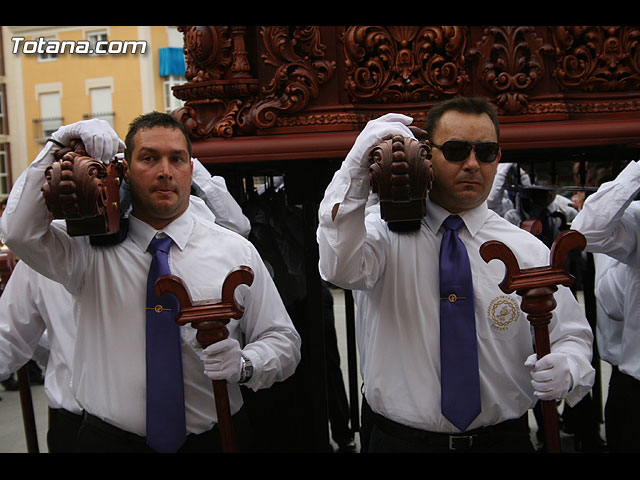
x,y
171,61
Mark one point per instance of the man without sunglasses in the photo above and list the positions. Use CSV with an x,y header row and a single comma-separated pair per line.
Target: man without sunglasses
x,y
396,282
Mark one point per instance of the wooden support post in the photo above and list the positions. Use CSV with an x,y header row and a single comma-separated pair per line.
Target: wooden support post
x,y
210,319
536,286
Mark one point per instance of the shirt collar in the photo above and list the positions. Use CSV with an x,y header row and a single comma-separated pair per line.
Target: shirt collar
x,y
473,219
179,230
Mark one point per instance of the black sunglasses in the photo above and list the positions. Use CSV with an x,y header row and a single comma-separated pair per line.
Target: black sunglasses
x,y
458,150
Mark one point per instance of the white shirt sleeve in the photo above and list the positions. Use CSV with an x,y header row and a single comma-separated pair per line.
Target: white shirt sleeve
x,y
610,218
271,342
21,325
213,190
26,228
351,256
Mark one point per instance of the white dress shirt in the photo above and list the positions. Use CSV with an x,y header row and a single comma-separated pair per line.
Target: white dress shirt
x,y
610,278
559,204
109,288
30,305
398,308
610,221
36,315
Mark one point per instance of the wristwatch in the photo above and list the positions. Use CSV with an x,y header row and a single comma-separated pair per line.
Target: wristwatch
x,y
247,370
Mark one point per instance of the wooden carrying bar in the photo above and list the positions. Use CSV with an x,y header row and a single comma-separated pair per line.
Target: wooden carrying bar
x,y
83,191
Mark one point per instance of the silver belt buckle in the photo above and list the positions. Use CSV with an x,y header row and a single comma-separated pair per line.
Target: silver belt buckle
x,y
454,438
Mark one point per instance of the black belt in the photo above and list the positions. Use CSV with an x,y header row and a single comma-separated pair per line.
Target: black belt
x,y
111,430
624,378
63,413
123,435
453,441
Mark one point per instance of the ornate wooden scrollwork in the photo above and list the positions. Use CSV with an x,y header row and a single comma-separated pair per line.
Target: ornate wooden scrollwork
x,y
404,63
597,58
83,191
223,98
401,175
510,64
249,80
298,55
220,81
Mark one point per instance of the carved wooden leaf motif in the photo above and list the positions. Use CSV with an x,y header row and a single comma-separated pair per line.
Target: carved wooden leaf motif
x,y
298,55
510,64
597,58
404,63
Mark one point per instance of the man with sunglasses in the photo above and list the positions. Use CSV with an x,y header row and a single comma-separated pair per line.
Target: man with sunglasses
x,y
397,277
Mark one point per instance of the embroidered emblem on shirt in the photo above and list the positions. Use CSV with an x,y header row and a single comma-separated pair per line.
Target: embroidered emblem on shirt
x,y
503,311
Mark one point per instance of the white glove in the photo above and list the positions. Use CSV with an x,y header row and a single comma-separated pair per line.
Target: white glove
x,y
374,132
550,376
100,140
223,360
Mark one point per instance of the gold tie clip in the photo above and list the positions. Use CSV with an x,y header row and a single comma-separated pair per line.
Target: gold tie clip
x,y
453,298
159,309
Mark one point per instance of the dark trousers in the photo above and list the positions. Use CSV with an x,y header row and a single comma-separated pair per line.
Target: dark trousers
x,y
511,436
622,413
338,404
98,436
63,430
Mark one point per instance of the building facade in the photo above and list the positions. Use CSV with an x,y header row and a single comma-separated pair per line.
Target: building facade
x,y
55,75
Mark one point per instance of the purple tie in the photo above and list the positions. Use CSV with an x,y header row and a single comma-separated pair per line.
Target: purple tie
x,y
166,430
459,377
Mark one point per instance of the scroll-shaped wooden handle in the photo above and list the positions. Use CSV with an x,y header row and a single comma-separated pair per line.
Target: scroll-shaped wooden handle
x,y
210,320
536,286
533,226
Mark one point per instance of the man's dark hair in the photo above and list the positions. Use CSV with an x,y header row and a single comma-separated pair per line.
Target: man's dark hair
x,y
474,105
151,120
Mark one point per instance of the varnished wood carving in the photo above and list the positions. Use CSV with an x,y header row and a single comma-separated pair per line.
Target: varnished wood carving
x,y
220,83
299,57
597,58
223,98
536,286
83,191
401,175
254,80
510,64
392,64
210,320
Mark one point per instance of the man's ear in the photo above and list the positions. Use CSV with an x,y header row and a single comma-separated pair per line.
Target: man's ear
x,y
125,170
